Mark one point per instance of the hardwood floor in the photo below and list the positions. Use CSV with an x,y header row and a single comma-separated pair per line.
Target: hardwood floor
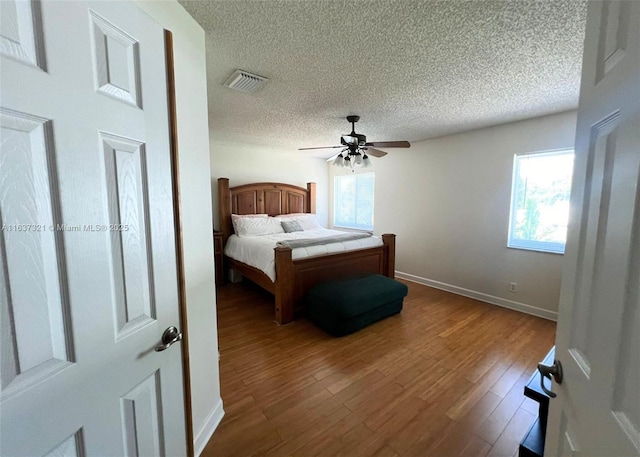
x,y
443,378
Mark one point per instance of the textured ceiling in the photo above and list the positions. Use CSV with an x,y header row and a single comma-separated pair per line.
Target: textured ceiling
x,y
412,70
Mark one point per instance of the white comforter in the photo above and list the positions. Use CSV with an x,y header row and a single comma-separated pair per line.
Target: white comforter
x,y
257,251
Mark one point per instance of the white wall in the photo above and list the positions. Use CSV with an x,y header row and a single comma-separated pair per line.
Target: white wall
x,y
448,198
244,164
195,197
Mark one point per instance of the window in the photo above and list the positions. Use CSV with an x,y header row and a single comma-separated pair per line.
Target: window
x,y
353,201
540,201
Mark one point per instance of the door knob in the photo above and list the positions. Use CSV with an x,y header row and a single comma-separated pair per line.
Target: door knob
x,y
170,336
547,371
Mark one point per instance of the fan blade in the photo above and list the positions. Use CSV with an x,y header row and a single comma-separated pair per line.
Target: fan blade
x,y
332,158
322,147
375,152
389,144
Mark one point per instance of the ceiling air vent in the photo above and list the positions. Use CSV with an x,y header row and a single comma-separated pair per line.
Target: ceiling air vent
x,y
245,82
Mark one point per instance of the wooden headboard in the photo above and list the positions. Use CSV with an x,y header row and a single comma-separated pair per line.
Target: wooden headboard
x,y
270,198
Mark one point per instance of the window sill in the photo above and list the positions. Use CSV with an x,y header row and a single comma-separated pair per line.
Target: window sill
x,y
352,229
542,250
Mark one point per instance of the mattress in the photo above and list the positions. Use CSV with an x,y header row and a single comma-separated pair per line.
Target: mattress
x,y
257,251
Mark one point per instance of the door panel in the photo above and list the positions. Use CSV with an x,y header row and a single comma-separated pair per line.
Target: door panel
x,y
21,32
85,157
127,188
599,163
612,43
71,447
141,418
35,309
117,61
597,411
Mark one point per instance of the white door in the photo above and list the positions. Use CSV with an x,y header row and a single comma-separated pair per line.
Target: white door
x,y
88,277
597,410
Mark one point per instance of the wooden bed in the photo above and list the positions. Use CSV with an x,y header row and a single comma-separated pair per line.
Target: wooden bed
x,y
295,277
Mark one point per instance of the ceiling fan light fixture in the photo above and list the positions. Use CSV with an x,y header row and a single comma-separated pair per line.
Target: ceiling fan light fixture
x,y
352,159
354,148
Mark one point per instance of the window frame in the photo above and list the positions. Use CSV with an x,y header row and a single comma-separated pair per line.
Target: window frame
x,y
532,245
335,197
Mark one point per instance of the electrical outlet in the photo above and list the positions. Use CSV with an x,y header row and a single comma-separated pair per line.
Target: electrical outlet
x,y
513,286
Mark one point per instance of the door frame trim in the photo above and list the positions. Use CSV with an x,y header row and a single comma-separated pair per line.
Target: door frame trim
x,y
177,217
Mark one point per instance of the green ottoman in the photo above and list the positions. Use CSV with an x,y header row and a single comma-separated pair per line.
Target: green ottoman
x,y
344,306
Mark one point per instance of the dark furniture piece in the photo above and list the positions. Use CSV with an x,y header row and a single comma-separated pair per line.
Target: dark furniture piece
x,y
218,254
532,445
344,306
295,277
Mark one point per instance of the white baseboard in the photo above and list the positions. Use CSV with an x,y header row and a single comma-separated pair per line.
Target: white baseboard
x,y
517,306
206,431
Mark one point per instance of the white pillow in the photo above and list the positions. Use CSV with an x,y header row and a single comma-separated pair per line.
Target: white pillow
x,y
255,226
307,221
291,226
237,217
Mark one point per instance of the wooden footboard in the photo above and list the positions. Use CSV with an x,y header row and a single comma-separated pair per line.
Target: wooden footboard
x,y
295,277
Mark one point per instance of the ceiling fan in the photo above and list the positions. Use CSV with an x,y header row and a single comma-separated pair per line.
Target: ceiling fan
x,y
356,150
